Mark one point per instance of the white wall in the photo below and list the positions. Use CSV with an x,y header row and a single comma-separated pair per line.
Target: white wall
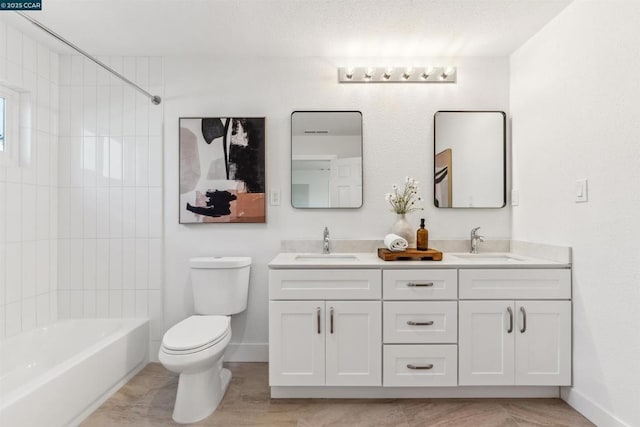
x,y
575,105
110,196
28,191
398,129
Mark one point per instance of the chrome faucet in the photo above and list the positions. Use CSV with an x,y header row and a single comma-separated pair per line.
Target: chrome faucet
x,y
325,241
475,238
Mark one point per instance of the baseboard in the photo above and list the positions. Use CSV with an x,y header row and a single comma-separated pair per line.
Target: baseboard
x,y
247,352
590,409
415,392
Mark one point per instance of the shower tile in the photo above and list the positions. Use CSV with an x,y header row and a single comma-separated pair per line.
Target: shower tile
x,y
102,264
76,70
89,304
102,303
28,313
115,264
29,54
43,266
142,211
89,254
128,303
13,318
142,264
115,303
28,269
128,264
115,212
43,310
90,72
44,61
65,70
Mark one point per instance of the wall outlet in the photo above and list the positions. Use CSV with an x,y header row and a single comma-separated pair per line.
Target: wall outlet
x,y
582,191
274,197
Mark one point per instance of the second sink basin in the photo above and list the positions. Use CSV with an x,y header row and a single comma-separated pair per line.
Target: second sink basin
x,y
325,258
488,257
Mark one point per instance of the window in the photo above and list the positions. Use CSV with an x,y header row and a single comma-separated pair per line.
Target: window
x,y
9,111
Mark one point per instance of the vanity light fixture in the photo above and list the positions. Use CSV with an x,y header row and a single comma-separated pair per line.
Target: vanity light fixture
x,y
403,75
348,74
369,74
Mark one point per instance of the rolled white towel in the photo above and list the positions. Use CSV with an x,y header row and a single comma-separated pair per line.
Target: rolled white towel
x,y
395,243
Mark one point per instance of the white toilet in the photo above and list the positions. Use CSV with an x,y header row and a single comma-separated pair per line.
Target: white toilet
x,y
194,347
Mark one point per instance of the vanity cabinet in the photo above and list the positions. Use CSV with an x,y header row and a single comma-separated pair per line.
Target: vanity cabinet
x,y
325,341
520,341
380,332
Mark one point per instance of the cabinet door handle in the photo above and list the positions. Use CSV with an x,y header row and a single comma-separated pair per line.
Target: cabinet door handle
x,y
411,366
420,285
510,320
412,323
524,320
331,320
318,319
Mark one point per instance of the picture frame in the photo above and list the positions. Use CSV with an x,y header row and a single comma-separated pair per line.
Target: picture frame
x,y
222,170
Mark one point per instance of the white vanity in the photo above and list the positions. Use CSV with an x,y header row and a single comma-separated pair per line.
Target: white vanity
x,y
352,325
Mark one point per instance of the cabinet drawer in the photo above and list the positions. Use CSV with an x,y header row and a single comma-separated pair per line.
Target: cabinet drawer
x,y
324,284
515,284
420,284
420,365
412,322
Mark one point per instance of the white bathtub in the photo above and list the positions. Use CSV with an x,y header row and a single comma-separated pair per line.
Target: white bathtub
x,y
59,374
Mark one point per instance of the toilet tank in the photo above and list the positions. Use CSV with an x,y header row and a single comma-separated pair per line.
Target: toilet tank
x,y
220,285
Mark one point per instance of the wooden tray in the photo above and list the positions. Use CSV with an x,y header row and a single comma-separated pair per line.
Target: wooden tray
x,y
410,254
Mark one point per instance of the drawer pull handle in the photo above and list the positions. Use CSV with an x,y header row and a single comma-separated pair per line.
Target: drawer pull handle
x,y
318,319
510,320
524,320
331,321
420,285
412,323
411,366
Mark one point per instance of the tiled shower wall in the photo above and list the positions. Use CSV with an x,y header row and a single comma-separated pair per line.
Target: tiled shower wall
x,y
28,190
110,192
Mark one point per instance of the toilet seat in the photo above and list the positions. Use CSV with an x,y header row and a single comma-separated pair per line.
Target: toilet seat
x,y
195,333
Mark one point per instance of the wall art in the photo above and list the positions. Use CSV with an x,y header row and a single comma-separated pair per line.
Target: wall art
x,y
222,169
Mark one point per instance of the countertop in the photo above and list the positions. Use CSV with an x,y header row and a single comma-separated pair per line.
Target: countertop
x,y
296,260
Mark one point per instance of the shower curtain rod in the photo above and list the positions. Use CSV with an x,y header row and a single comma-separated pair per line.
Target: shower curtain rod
x,y
154,98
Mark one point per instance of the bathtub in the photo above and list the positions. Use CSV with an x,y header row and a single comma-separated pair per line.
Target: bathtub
x,y
59,374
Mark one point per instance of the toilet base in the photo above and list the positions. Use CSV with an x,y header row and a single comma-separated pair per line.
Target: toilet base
x,y
200,393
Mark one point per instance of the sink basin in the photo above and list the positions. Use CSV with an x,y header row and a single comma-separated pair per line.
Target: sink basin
x,y
325,258
488,257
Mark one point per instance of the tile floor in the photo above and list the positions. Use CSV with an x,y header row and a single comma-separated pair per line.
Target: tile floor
x,y
147,400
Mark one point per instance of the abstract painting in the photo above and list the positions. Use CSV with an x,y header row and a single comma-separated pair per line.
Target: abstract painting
x,y
222,169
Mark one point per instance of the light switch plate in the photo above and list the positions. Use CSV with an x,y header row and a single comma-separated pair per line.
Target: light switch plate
x,y
582,191
274,197
515,197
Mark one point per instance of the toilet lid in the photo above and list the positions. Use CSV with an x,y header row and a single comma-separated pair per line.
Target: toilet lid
x,y
196,331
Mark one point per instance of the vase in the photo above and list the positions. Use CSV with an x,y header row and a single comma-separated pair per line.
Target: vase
x,y
403,229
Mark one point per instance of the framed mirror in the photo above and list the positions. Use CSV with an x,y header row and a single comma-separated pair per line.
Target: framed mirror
x,y
326,159
470,159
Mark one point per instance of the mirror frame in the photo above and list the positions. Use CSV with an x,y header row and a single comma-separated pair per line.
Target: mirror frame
x,y
504,158
291,157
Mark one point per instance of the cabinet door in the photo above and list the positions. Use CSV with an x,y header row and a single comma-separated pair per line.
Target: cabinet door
x,y
353,343
296,343
486,343
543,343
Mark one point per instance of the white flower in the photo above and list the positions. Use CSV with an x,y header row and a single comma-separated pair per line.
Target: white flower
x,y
404,200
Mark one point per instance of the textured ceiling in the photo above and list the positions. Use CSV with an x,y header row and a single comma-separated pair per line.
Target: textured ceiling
x,y
276,28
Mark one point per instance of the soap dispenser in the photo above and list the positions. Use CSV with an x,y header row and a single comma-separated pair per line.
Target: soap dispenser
x,y
422,237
